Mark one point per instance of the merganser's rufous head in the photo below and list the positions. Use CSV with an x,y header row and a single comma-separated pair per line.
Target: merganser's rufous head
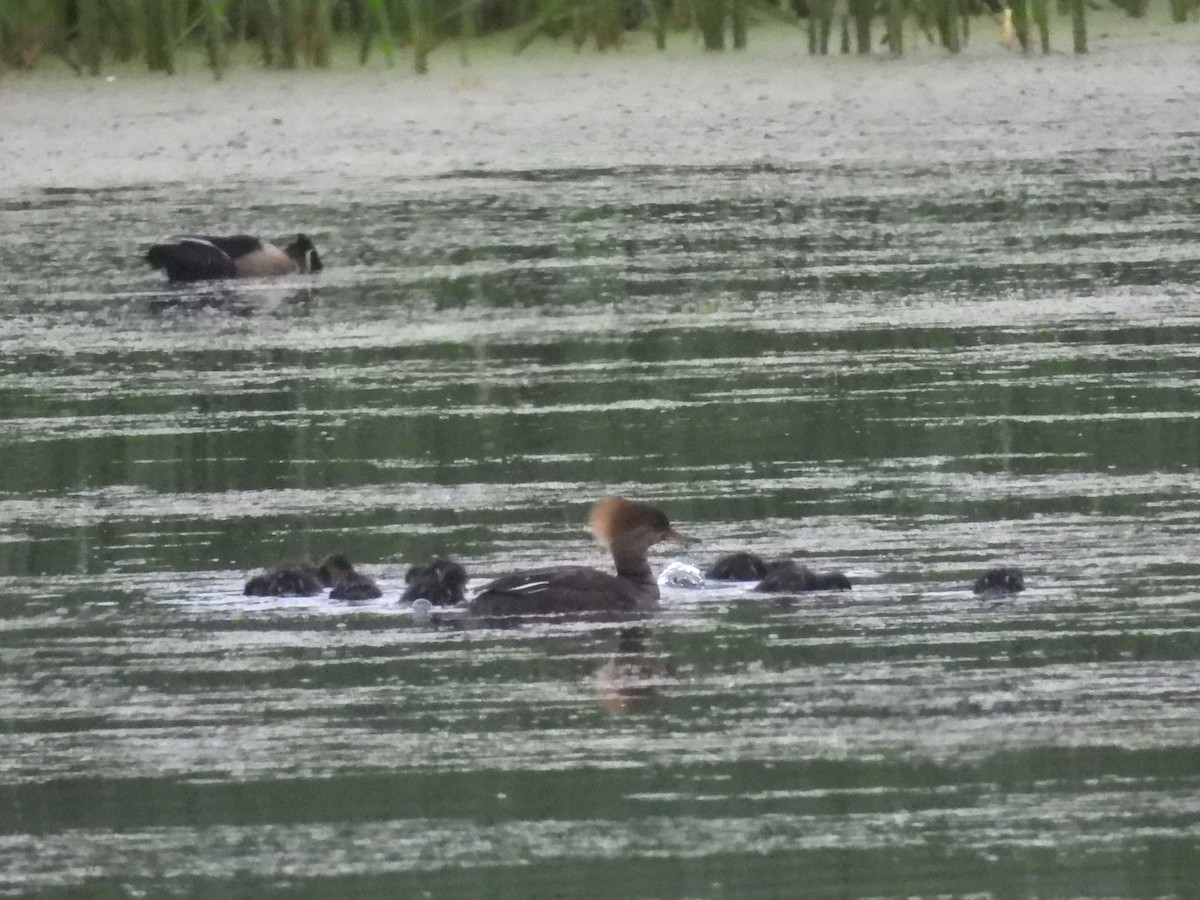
x,y
625,524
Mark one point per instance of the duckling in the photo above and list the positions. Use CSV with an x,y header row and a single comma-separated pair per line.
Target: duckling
x,y
785,576
443,583
346,583
286,580
743,566
1000,581
202,257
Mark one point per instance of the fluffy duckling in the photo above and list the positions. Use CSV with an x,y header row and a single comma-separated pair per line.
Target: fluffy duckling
x,y
197,257
443,583
286,580
1000,581
785,576
743,566
345,582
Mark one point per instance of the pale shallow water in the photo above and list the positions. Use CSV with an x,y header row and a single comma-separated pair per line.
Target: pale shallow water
x,y
904,366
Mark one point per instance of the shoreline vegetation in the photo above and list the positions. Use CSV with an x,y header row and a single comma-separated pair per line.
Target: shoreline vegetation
x,y
92,36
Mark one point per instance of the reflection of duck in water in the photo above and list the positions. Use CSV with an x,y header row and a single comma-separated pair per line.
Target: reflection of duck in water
x,y
230,301
204,257
303,579
443,583
628,529
1000,581
631,679
777,576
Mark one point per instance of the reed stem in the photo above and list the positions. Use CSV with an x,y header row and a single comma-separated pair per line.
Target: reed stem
x,y
320,34
214,38
159,25
820,25
861,12
1041,16
1079,25
418,29
947,25
662,14
89,35
738,23
895,26
710,19
1020,20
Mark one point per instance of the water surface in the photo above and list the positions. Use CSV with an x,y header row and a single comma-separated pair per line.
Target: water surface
x,y
908,368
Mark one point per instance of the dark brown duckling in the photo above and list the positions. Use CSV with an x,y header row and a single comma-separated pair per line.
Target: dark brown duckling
x,y
743,566
1000,581
346,582
196,257
443,583
286,580
785,576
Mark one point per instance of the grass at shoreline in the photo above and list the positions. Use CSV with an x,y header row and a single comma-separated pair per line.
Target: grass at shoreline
x,y
218,41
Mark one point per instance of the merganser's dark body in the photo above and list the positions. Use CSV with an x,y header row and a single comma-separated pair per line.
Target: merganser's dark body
x,y
628,529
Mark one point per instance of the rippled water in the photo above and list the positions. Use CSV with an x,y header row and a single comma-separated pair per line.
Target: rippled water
x,y
905,369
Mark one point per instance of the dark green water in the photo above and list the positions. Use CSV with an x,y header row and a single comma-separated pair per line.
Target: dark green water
x,y
907,371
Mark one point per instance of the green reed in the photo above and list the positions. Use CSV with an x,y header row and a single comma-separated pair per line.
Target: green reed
x,y
895,26
820,25
90,35
1181,9
862,12
420,34
1079,25
945,17
158,20
709,16
214,35
1040,11
1020,20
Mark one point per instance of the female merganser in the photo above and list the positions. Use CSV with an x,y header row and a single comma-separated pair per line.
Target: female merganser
x,y
1000,582
628,529
442,582
196,257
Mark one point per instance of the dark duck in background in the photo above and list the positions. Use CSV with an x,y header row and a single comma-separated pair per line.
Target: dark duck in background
x,y
205,257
